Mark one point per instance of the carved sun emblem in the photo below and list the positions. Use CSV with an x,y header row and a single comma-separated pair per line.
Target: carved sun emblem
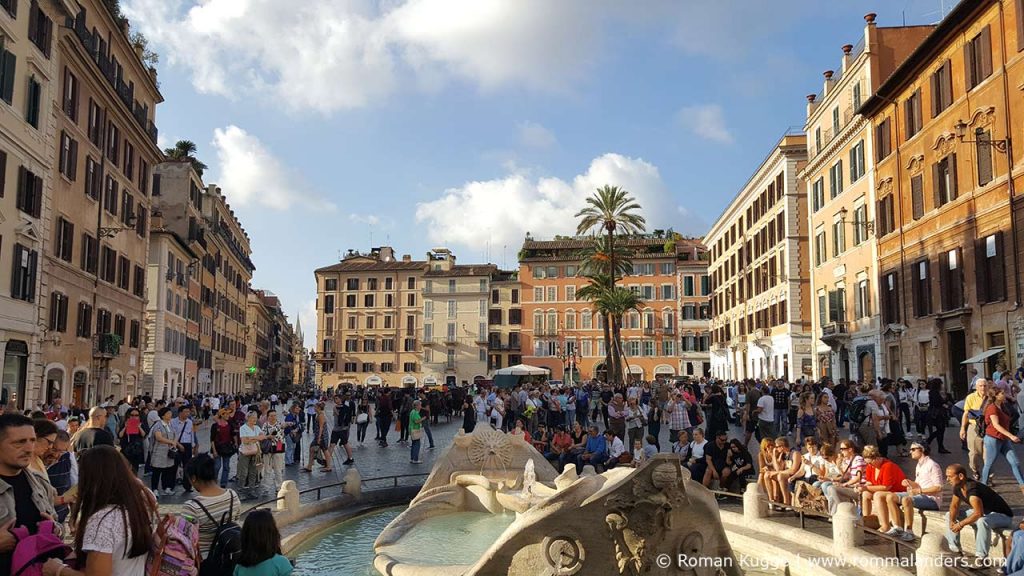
x,y
490,447
564,554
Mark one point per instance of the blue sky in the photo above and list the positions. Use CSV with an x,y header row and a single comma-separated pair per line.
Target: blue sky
x,y
466,123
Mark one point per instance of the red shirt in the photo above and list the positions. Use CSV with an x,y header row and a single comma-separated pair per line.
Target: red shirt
x,y
1004,421
886,474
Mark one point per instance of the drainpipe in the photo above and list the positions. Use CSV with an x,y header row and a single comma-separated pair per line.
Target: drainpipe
x,y
1011,192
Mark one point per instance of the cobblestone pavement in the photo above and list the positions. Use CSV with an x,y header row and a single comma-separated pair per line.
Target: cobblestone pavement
x,y
374,461
371,460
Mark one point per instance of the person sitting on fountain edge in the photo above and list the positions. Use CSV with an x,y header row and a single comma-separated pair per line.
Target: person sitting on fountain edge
x,y
616,449
561,445
595,453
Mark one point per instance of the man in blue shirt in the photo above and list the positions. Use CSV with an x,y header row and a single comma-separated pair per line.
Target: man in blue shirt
x,y
595,452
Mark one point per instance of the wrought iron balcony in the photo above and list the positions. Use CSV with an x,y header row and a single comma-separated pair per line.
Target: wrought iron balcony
x,y
834,332
323,356
106,346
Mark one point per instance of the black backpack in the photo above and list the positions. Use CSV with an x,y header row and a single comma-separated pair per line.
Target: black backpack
x,y
857,412
227,542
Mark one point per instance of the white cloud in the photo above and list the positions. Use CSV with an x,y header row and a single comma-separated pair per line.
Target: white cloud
x,y
368,219
501,211
329,55
250,174
534,135
706,121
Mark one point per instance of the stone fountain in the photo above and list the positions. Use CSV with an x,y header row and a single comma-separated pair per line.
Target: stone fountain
x,y
620,522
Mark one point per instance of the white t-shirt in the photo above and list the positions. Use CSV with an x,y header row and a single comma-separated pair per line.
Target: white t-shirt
x,y
214,403
616,449
767,405
107,531
871,408
697,450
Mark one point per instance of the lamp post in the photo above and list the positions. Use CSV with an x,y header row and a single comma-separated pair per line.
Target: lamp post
x,y
1003,146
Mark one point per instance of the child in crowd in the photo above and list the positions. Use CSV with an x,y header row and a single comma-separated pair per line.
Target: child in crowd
x,y
261,547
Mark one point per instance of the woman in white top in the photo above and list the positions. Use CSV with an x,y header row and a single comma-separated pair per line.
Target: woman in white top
x,y
249,454
113,529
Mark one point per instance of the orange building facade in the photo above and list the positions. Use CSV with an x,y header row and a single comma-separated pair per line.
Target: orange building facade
x,y
563,334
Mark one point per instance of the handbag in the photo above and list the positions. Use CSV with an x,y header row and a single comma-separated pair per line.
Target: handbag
x,y
362,418
173,453
416,434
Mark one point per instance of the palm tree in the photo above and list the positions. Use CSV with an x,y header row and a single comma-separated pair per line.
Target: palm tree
x,y
598,258
186,150
611,209
597,292
612,304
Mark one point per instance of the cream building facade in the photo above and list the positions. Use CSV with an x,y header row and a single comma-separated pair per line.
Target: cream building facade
x,y
455,313
505,322
759,273
839,178
30,83
105,145
370,320
167,309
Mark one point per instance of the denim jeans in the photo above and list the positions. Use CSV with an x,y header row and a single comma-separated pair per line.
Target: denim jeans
x,y
430,436
982,531
289,450
416,449
781,422
224,464
994,448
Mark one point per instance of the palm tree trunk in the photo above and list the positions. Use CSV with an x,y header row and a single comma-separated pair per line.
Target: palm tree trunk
x,y
611,279
617,342
607,348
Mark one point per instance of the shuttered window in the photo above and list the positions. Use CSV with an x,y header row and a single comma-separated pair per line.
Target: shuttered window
x,y
951,279
58,312
921,281
917,196
944,180
942,88
990,268
890,298
912,114
883,139
30,192
8,67
978,58
983,147
23,273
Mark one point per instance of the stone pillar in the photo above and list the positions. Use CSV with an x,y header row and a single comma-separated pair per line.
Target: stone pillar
x,y
929,557
353,484
289,497
754,506
846,533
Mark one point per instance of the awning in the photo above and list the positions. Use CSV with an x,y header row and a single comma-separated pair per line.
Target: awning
x,y
977,358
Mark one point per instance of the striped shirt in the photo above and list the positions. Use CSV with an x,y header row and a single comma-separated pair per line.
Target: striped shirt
x,y
217,506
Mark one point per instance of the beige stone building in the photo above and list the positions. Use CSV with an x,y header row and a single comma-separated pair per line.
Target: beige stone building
x,y
760,284
370,320
455,312
30,86
104,140
257,341
505,322
269,342
839,178
172,264
225,292
694,310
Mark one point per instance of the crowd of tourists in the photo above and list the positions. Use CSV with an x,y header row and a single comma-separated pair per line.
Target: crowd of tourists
x,y
76,478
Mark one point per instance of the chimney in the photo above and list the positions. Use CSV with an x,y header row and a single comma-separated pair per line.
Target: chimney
x,y
811,104
847,58
828,83
387,254
870,18
156,220
406,258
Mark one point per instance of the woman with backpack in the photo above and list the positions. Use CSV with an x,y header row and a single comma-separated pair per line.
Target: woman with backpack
x,y
215,510
132,440
113,519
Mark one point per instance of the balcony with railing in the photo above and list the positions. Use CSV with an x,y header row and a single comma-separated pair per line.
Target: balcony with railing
x,y
835,332
106,346
323,356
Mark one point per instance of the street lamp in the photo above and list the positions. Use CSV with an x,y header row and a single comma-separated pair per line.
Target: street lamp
x,y
110,232
1001,146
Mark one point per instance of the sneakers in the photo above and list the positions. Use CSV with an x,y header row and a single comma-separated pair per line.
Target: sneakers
x,y
894,532
168,492
415,461
348,462
430,447
907,535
